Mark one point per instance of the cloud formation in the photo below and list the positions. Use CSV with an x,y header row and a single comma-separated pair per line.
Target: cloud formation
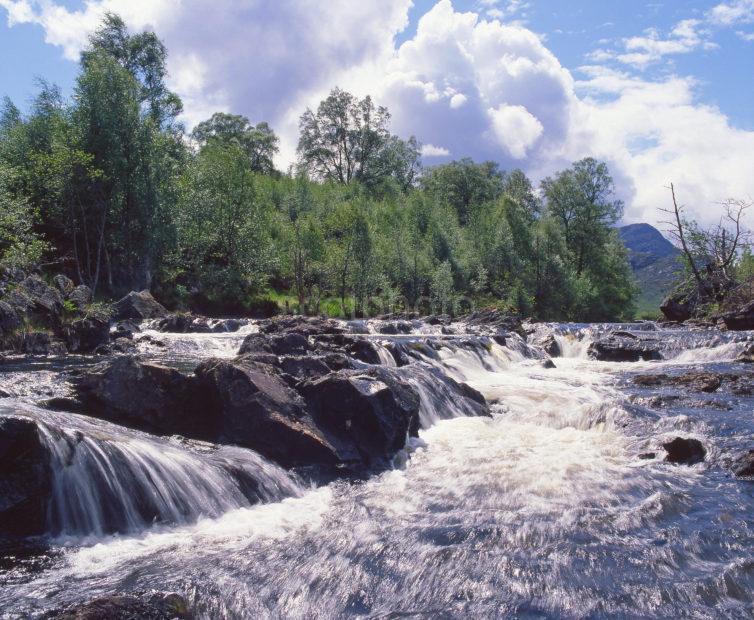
x,y
466,84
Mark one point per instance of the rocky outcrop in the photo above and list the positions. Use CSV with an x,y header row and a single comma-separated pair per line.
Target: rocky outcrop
x,y
249,405
624,347
684,451
138,306
25,479
369,413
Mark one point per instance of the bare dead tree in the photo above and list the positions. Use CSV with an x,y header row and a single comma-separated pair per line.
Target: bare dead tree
x,y
676,231
718,247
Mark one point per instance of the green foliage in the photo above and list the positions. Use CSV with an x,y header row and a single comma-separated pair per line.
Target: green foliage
x,y
107,188
258,142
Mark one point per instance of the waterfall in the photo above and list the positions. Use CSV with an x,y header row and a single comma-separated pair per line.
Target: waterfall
x,y
104,483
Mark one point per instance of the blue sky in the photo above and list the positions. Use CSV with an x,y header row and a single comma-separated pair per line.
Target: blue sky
x,y
661,90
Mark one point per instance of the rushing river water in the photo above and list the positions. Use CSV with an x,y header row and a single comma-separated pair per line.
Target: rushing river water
x,y
543,510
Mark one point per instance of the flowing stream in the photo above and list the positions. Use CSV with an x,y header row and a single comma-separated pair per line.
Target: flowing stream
x,y
543,510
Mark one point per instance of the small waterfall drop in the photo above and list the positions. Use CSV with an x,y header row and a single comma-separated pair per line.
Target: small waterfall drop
x,y
104,483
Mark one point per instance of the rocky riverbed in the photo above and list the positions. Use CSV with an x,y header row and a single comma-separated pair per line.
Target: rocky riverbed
x,y
305,467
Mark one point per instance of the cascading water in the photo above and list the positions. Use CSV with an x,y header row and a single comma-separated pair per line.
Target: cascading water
x,y
543,510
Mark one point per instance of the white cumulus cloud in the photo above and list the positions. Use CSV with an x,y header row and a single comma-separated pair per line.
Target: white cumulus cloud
x,y
465,84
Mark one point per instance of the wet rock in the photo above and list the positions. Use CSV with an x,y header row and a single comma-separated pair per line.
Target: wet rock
x,y
695,381
252,407
154,606
85,335
646,456
124,329
371,414
25,479
548,363
395,328
651,380
700,381
191,324
551,345
303,325
743,465
81,297
291,343
141,395
746,356
616,348
741,319
139,306
684,451
40,343
64,284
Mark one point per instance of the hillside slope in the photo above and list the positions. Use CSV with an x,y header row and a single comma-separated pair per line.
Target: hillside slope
x,y
654,261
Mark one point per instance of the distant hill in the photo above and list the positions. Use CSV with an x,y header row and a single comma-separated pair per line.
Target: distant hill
x,y
654,261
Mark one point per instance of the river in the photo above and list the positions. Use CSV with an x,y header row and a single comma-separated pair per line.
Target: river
x,y
543,510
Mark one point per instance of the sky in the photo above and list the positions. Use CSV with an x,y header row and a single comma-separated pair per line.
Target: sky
x,y
662,91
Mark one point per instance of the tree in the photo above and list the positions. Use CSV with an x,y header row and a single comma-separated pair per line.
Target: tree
x,y
259,142
581,199
463,184
144,56
223,229
347,139
20,247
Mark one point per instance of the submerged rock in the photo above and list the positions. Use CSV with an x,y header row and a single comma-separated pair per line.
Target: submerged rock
x,y
743,465
153,606
25,479
684,451
139,306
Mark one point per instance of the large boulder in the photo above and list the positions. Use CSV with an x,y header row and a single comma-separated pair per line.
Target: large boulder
x,y
9,319
683,451
35,300
39,343
370,412
624,348
25,478
252,407
85,335
139,305
141,395
678,307
741,319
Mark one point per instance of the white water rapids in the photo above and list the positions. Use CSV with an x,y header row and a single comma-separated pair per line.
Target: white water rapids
x,y
543,510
